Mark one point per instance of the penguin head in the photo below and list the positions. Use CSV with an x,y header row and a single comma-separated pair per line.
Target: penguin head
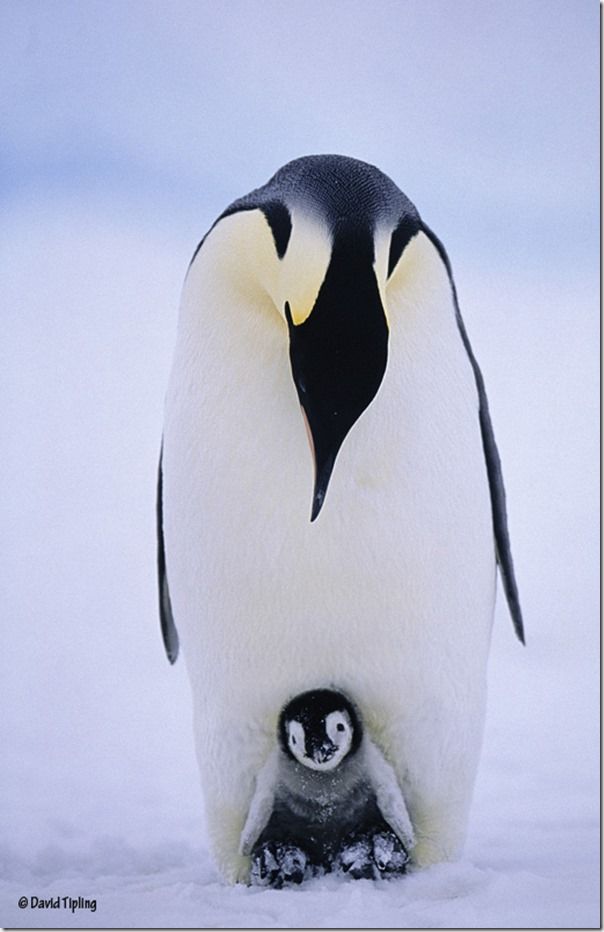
x,y
319,729
326,233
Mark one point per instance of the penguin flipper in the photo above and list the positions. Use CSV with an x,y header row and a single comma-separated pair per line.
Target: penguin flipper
x,y
388,794
262,804
168,628
503,548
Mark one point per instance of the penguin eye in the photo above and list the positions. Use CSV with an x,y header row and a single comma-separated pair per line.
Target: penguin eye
x,y
340,727
293,739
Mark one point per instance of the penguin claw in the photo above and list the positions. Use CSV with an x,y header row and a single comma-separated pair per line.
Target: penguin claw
x,y
275,865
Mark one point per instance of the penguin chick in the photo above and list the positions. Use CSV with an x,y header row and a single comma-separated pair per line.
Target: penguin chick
x,y
325,799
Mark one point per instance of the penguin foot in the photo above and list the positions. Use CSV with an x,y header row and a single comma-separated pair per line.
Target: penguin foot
x,y
275,864
355,858
389,854
372,856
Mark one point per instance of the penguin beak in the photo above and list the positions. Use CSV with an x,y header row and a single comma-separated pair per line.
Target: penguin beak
x,y
338,356
323,753
323,468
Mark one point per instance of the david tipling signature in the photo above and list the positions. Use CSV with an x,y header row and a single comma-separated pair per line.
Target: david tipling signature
x,y
57,902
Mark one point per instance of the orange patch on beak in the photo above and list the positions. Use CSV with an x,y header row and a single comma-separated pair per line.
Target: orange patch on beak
x,y
311,441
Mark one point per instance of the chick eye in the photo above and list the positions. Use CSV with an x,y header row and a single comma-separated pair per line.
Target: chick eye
x,y
293,739
339,727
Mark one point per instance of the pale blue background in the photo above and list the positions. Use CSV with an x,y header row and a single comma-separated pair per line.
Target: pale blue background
x,y
482,111
126,127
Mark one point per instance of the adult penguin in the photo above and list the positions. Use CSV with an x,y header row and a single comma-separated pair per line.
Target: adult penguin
x,y
320,333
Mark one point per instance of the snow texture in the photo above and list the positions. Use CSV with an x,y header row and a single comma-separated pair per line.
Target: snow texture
x,y
108,146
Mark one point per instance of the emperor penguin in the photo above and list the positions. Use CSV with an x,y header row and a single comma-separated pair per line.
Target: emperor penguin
x,y
321,360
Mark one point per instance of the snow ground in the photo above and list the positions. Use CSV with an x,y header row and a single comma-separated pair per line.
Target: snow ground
x,y
99,782
531,859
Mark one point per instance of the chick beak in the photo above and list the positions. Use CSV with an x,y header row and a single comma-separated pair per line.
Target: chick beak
x,y
324,753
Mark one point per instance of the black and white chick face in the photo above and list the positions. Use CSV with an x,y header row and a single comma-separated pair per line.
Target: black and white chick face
x,y
319,729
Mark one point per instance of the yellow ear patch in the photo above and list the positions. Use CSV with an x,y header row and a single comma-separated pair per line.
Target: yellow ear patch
x,y
304,266
301,311
418,282
242,246
419,265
